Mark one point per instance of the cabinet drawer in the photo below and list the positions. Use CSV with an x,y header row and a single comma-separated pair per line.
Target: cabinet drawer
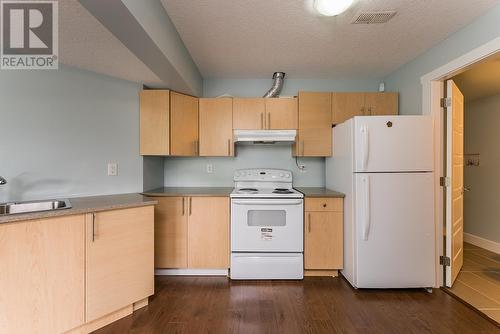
x,y
324,204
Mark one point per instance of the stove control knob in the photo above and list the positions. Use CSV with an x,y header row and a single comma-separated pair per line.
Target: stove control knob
x,y
281,174
237,174
288,175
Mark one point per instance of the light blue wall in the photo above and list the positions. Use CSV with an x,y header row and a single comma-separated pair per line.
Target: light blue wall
x,y
192,171
258,87
59,129
406,80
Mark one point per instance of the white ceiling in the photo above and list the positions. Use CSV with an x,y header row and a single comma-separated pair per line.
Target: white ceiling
x,y
85,43
481,80
253,39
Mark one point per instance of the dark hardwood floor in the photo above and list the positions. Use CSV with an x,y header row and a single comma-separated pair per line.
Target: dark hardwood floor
x,y
314,305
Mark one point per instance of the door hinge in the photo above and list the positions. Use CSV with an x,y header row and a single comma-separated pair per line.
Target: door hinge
x,y
444,261
444,181
446,102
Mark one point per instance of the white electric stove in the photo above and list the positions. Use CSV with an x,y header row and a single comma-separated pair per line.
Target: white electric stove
x,y
267,226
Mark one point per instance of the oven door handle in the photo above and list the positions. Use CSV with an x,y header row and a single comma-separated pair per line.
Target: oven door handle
x,y
264,202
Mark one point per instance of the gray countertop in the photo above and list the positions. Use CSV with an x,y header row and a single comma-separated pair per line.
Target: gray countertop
x,y
189,191
319,192
81,205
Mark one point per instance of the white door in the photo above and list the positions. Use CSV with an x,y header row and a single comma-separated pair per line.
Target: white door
x,y
394,226
267,225
393,144
455,191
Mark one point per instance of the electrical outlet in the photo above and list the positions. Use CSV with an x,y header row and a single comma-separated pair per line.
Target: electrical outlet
x,y
302,168
112,169
210,168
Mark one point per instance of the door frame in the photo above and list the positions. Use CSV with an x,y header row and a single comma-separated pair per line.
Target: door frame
x,y
432,91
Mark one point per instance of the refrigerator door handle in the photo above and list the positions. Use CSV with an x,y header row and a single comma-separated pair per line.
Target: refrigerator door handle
x,y
366,222
365,146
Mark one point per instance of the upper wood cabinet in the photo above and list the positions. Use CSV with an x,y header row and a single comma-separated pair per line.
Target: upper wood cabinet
x,y
216,127
315,110
381,103
186,237
183,125
281,113
323,234
248,113
155,122
348,105
42,276
265,113
120,255
314,137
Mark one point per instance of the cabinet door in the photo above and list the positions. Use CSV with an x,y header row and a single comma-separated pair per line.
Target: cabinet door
x,y
281,113
183,125
171,232
208,232
323,242
216,127
120,255
381,103
42,275
314,143
155,122
346,106
315,110
248,113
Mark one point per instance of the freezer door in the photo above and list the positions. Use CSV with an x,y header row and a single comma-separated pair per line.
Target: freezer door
x,y
394,219
393,144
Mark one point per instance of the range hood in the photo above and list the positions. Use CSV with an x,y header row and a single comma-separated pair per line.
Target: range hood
x,y
265,136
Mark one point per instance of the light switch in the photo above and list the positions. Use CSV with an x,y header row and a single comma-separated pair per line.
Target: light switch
x,y
210,168
112,169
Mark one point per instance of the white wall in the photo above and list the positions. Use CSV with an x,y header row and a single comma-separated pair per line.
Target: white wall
x,y
406,79
482,202
58,130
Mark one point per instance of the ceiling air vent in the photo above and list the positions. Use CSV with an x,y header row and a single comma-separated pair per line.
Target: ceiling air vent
x,y
374,17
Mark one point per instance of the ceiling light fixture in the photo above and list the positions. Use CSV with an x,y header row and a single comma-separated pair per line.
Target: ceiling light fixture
x,y
331,7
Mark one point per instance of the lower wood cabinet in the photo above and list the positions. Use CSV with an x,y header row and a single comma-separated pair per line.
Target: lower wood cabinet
x,y
75,273
192,232
120,268
42,275
323,234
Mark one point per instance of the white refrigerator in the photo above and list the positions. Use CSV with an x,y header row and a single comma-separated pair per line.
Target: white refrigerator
x,y
384,165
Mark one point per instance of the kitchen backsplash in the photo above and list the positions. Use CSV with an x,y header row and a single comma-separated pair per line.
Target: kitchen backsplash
x,y
193,171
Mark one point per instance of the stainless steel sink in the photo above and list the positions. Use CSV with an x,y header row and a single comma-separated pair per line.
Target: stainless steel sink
x,y
34,206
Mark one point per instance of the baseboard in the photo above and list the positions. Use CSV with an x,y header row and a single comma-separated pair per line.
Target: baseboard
x,y
191,272
492,246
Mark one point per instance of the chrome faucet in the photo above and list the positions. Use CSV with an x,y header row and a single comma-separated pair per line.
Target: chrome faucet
x,y
2,181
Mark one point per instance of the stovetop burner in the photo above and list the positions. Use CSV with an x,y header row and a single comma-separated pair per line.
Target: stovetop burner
x,y
282,191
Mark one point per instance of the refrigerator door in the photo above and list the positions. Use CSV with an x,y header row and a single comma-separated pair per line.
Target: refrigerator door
x,y
394,220
393,144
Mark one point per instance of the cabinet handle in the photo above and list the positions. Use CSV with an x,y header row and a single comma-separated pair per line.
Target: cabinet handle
x,y
196,147
93,227
369,110
183,200
229,147
190,205
262,120
303,144
268,120
309,222
362,111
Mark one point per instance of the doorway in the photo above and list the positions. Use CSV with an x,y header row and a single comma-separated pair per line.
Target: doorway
x,y
472,186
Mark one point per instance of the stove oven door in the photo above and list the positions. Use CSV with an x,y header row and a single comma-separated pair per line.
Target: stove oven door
x,y
267,225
